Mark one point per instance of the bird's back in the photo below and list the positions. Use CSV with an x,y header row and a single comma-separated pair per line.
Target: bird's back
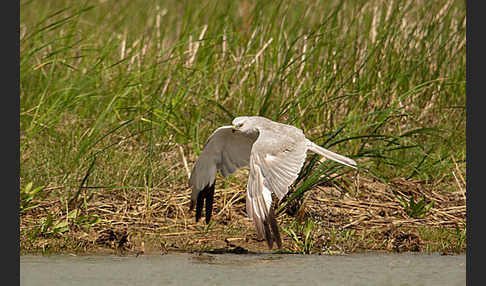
x,y
279,136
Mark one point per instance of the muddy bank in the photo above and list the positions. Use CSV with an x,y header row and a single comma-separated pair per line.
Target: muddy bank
x,y
371,219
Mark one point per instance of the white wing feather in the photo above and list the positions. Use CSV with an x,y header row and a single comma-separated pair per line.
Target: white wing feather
x,y
274,166
224,151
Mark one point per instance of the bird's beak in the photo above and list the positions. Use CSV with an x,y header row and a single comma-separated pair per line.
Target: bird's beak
x,y
233,128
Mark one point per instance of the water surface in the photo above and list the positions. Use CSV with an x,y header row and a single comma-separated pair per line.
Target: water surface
x,y
250,269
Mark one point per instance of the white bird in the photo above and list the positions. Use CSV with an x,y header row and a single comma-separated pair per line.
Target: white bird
x,y
275,153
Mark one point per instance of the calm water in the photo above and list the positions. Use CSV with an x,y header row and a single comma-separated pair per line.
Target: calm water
x,y
255,269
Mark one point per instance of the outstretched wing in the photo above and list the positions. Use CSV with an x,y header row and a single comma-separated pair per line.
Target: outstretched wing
x,y
275,162
225,151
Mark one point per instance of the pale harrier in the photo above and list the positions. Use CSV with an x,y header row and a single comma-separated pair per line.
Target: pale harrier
x,y
275,153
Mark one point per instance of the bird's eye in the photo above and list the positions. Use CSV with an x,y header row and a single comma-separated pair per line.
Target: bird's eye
x,y
239,125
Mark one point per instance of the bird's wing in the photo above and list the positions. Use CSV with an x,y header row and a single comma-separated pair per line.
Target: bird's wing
x,y
275,162
224,151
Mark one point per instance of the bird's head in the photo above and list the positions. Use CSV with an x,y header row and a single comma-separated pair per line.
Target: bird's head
x,y
244,124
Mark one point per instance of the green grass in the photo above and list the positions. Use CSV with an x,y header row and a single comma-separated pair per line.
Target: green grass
x,y
301,234
110,91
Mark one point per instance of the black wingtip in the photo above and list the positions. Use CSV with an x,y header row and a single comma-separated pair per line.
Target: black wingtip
x,y
199,205
274,227
207,194
268,234
271,230
209,202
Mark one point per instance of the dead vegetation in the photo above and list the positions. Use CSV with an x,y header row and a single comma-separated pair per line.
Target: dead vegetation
x,y
375,205
369,218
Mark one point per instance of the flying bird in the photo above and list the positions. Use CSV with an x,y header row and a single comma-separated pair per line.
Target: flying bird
x,y
275,154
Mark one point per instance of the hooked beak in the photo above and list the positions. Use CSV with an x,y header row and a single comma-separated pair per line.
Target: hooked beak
x,y
233,128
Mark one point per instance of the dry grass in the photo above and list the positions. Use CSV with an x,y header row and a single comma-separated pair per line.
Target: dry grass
x,y
374,205
371,217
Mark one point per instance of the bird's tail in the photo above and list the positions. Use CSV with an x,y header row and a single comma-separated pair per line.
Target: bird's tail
x,y
331,155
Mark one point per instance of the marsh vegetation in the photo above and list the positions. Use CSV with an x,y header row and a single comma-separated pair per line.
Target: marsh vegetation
x,y
118,97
